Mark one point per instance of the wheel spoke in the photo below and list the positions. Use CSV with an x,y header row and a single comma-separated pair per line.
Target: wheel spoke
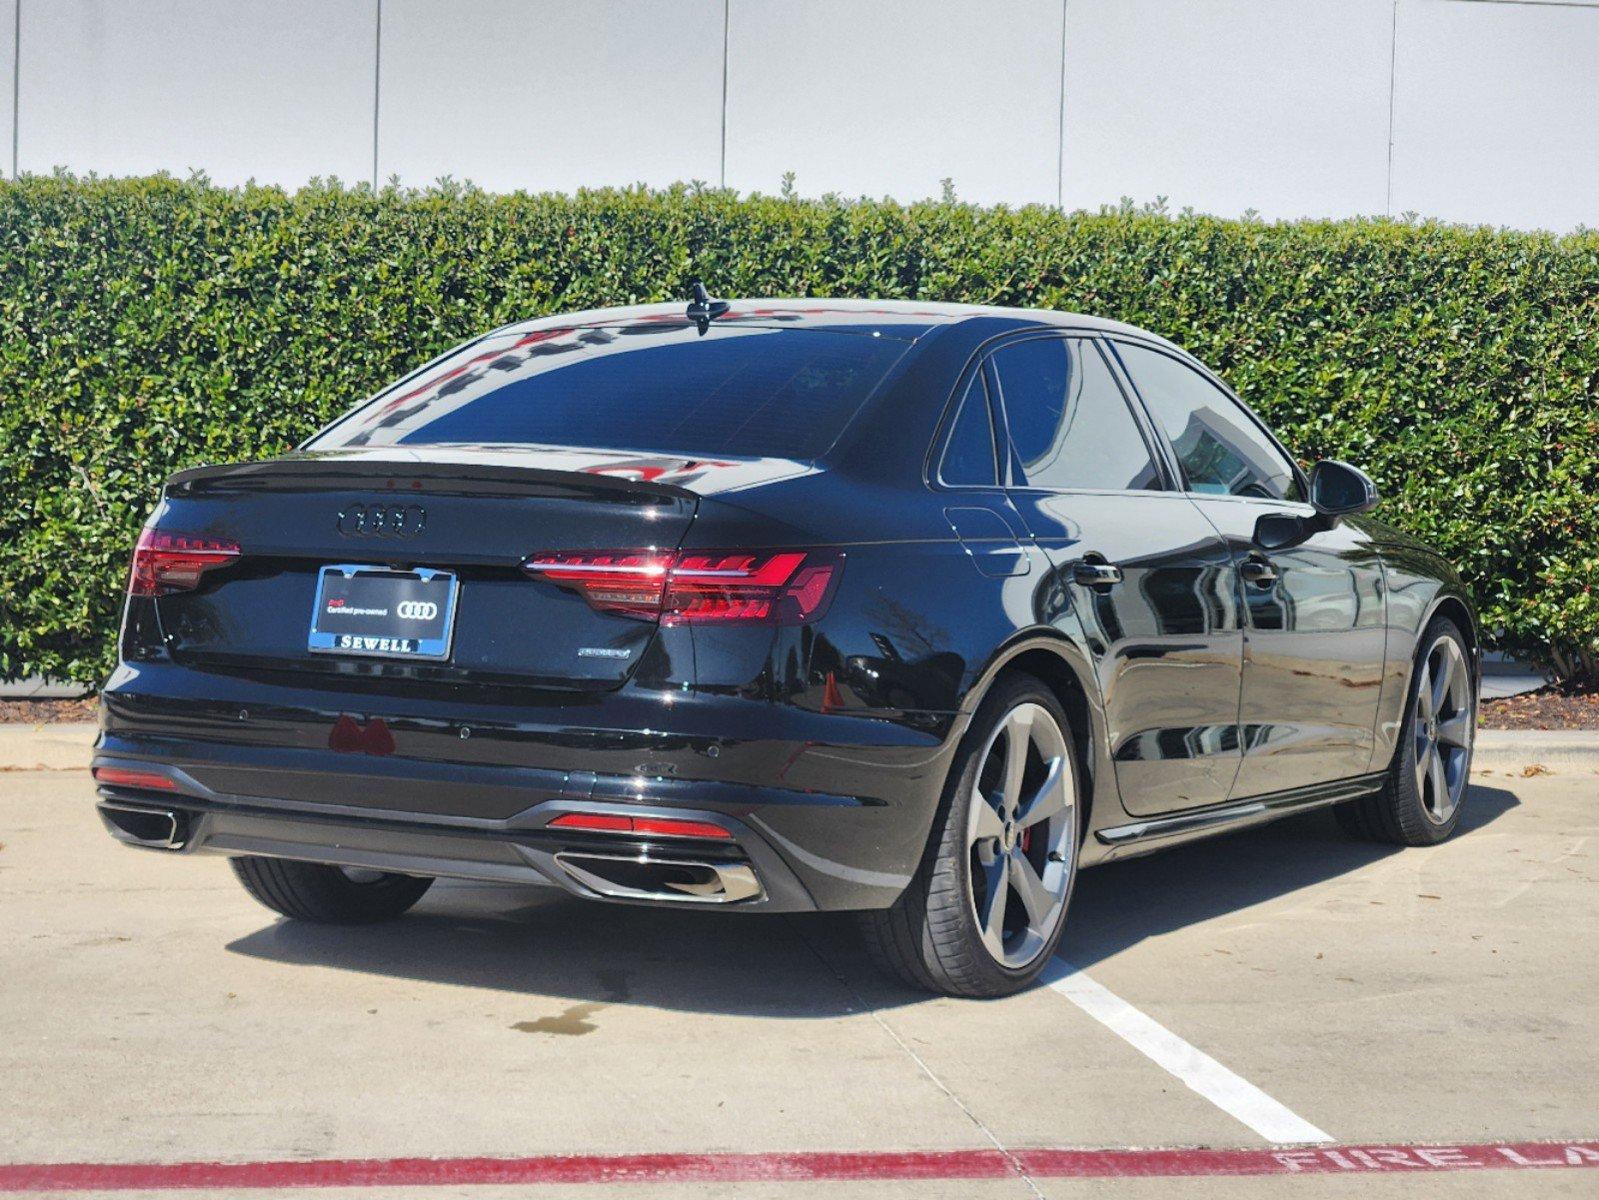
x,y
1442,803
1035,896
1018,736
1455,730
1441,680
985,820
1049,799
1424,754
991,914
1424,706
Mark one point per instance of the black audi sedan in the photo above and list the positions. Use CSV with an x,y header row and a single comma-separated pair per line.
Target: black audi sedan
x,y
900,608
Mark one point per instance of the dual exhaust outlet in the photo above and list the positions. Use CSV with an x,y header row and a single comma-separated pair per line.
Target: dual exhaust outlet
x,y
145,825
642,877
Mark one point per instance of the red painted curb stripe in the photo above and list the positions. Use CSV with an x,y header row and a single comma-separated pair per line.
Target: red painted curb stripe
x,y
804,1166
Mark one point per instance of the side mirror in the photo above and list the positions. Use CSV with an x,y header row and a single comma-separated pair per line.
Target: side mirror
x,y
1337,490
1340,490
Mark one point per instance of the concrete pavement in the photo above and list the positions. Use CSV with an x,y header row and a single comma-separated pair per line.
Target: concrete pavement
x,y
150,1012
65,746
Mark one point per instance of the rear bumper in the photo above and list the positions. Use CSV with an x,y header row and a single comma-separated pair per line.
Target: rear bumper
x,y
191,819
848,836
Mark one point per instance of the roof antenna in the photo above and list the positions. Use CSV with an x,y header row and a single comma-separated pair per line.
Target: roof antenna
x,y
702,310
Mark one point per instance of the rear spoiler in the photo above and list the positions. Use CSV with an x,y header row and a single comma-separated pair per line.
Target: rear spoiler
x,y
332,473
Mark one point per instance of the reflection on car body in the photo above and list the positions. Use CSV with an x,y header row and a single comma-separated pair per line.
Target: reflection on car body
x,y
894,607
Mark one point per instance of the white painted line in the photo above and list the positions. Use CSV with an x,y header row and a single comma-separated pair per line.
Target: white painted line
x,y
1234,1095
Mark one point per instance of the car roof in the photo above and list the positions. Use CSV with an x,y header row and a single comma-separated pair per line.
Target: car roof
x,y
907,319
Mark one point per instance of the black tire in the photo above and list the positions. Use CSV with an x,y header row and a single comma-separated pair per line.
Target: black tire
x,y
1399,813
930,937
327,895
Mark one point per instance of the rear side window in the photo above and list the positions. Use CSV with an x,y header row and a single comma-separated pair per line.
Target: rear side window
x,y
969,453
1221,449
661,386
1070,425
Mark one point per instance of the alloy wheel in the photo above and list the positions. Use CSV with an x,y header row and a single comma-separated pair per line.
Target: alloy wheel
x,y
1442,727
1021,835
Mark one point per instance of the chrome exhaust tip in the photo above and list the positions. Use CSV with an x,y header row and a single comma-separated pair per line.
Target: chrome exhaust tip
x,y
681,881
145,825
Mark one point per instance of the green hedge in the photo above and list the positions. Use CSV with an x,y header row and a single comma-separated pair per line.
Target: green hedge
x,y
150,324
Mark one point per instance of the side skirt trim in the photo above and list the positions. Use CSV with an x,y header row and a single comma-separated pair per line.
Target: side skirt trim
x,y
1258,808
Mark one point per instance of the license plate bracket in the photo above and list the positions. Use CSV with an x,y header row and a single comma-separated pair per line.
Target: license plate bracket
x,y
383,612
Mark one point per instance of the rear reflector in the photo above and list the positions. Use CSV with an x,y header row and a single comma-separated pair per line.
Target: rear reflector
x,y
595,822
122,777
667,827
771,587
165,562
651,826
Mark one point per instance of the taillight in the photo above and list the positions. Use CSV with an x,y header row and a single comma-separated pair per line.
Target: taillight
x,y
772,587
618,581
165,562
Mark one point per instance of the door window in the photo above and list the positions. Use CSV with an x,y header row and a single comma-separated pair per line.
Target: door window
x,y
1222,450
969,453
1070,426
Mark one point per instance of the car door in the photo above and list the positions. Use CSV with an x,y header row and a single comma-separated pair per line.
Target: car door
x,y
1147,583
1311,590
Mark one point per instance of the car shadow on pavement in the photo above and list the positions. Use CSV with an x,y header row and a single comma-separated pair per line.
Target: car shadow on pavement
x,y
1123,903
539,941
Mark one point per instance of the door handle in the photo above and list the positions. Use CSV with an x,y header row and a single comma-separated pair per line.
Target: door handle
x,y
1258,571
1095,572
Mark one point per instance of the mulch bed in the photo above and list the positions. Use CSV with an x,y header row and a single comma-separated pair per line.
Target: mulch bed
x,y
48,712
1550,707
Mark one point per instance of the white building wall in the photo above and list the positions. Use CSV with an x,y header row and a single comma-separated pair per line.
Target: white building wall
x,y
551,94
1227,105
1496,113
276,91
8,46
889,97
1472,110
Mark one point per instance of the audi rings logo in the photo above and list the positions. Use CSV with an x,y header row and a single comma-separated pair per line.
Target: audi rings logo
x,y
382,520
416,610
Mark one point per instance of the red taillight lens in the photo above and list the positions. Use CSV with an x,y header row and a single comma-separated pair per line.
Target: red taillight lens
x,y
591,822
166,562
122,777
774,587
620,581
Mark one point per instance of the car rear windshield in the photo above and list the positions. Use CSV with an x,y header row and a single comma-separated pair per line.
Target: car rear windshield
x,y
741,391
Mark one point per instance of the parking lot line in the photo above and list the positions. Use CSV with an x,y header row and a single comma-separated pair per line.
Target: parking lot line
x,y
1229,1092
797,1167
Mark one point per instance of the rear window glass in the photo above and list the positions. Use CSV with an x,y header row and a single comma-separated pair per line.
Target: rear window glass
x,y
651,386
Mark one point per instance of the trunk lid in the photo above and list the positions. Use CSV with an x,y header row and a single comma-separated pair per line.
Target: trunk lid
x,y
476,514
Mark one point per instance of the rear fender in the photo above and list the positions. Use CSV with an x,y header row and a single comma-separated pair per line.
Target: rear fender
x,y
1412,607
1064,667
